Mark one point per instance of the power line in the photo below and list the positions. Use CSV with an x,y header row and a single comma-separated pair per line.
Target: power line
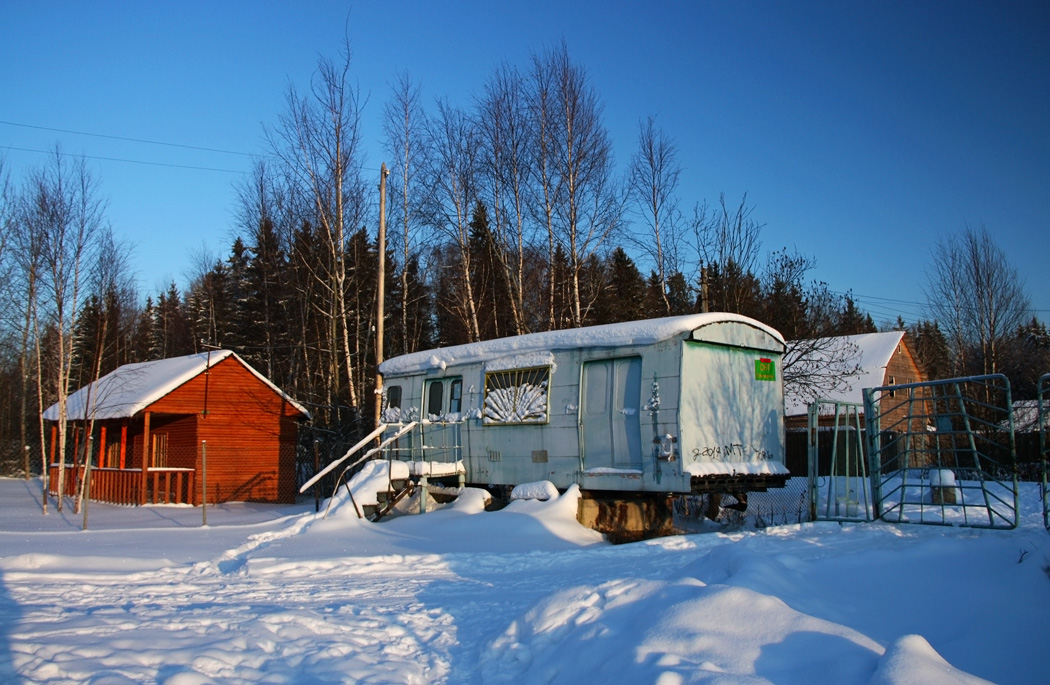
x,y
146,142
129,161
888,304
131,140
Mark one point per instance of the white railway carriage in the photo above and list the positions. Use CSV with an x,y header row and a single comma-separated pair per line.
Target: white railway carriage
x,y
683,404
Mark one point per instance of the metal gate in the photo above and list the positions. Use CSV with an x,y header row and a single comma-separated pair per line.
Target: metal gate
x,y
839,478
943,452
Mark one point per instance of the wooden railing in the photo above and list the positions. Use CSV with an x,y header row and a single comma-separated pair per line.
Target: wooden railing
x,y
123,486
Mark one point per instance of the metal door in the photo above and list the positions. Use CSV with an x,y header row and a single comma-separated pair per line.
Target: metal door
x,y
610,394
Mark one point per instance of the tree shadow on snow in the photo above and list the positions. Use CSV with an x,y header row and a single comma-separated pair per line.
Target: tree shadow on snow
x,y
10,613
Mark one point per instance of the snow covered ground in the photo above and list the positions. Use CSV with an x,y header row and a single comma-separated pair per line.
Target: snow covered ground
x,y
459,595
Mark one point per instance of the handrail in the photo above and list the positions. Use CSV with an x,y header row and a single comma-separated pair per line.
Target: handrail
x,y
364,456
364,441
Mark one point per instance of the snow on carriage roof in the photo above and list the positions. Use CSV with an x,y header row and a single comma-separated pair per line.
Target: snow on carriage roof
x,y
131,388
874,351
644,332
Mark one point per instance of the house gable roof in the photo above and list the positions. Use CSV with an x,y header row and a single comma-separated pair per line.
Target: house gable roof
x,y
874,352
131,388
1026,417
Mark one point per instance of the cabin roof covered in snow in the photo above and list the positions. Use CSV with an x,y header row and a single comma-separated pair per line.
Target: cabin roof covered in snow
x,y
629,333
1026,416
124,392
874,352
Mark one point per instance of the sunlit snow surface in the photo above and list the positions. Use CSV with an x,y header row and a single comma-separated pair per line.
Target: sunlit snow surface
x,y
460,595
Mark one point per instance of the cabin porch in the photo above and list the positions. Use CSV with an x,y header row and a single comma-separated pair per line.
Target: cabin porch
x,y
128,486
117,450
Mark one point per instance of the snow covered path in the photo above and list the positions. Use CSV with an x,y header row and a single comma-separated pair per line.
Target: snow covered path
x,y
523,595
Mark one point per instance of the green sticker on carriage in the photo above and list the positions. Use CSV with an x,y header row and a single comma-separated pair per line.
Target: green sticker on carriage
x,y
765,370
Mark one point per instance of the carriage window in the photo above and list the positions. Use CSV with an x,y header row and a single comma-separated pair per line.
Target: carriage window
x,y
392,410
455,399
443,399
435,399
517,396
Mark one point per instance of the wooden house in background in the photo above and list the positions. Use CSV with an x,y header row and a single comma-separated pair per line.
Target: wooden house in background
x,y
152,421
883,359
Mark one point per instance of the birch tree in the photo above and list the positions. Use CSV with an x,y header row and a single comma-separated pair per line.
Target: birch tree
x,y
728,241
977,298
546,189
588,208
653,185
61,213
505,131
318,144
404,126
453,141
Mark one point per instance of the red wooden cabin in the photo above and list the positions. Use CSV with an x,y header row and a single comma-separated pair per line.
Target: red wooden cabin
x,y
152,422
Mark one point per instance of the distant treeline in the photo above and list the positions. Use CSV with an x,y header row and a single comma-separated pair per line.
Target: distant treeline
x,y
503,217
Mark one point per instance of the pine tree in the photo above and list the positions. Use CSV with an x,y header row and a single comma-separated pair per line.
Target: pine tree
x,y
624,293
266,333
681,297
172,334
491,290
142,338
239,314
931,350
852,321
209,308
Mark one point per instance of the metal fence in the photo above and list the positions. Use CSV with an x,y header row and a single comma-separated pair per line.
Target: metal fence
x,y
839,477
1044,448
943,452
758,509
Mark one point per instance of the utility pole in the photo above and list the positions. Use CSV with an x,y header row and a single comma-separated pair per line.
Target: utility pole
x,y
704,305
381,290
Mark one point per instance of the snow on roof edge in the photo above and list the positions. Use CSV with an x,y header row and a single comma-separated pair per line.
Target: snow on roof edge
x,y
874,352
130,388
643,332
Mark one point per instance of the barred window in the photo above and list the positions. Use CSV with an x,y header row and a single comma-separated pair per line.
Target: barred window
x,y
516,396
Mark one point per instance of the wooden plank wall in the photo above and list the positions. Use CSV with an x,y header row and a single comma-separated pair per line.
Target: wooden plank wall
x,y
250,432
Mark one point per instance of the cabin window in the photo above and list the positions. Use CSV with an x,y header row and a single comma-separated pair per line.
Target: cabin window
x,y
112,454
517,396
160,450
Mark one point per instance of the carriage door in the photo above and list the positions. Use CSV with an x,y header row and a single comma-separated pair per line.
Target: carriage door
x,y
442,412
610,397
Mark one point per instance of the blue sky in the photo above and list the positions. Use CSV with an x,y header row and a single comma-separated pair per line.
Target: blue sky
x,y
861,132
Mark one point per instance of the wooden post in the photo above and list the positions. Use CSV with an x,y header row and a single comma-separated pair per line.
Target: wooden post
x,y
317,467
704,305
123,444
102,456
87,479
145,457
381,290
204,482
